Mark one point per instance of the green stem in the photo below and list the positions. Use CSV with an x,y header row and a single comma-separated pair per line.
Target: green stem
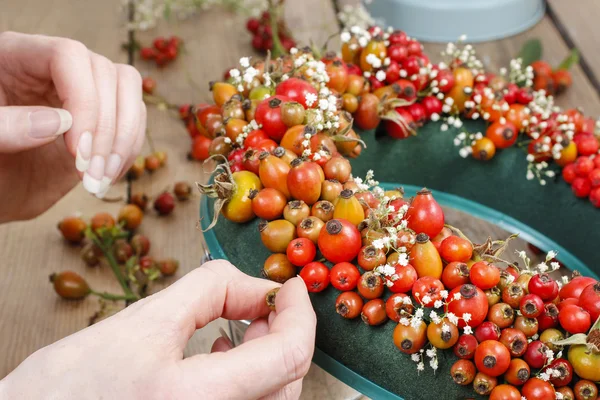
x,y
278,49
115,268
150,141
114,297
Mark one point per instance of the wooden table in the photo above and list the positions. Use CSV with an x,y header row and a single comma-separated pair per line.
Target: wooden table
x,y
31,316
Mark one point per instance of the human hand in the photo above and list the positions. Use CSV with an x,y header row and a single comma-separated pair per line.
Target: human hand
x,y
63,106
138,353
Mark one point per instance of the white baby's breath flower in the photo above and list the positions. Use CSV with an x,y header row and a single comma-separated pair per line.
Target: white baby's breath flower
x,y
452,318
467,330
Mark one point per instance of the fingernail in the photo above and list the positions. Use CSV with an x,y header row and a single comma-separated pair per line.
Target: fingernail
x,y
84,152
49,123
92,179
113,164
105,187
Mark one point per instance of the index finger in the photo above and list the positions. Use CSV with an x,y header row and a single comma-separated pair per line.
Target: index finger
x,y
265,364
216,289
66,64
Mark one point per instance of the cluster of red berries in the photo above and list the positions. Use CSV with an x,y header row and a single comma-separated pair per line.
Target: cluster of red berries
x,y
262,32
552,81
163,50
584,177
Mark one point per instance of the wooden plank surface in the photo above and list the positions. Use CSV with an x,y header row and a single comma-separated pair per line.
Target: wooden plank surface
x,y
579,20
31,316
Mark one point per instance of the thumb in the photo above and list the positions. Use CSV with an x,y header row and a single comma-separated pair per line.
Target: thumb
x,y
24,128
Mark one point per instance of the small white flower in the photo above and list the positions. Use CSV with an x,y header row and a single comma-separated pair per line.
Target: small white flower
x,y
380,75
430,353
438,304
457,296
415,357
433,364
466,317
426,300
404,321
419,313
345,36
407,300
445,328
467,330
310,99
551,254
529,175
420,366
452,318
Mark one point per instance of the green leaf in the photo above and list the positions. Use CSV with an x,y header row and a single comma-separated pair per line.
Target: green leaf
x,y
570,60
531,51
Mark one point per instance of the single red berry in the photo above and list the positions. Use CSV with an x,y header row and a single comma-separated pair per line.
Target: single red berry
x,y
160,43
148,53
397,53
146,263
583,166
171,53
257,42
392,72
587,145
148,85
432,105
581,187
445,80
569,174
398,37
524,96
164,204
252,25
594,177
175,41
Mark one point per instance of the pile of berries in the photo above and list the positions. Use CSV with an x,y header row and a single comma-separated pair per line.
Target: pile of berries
x,y
552,81
385,77
584,177
262,33
106,240
109,241
163,50
393,258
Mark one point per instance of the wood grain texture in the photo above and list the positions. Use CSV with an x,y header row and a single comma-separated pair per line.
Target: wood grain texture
x,y
580,22
31,315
